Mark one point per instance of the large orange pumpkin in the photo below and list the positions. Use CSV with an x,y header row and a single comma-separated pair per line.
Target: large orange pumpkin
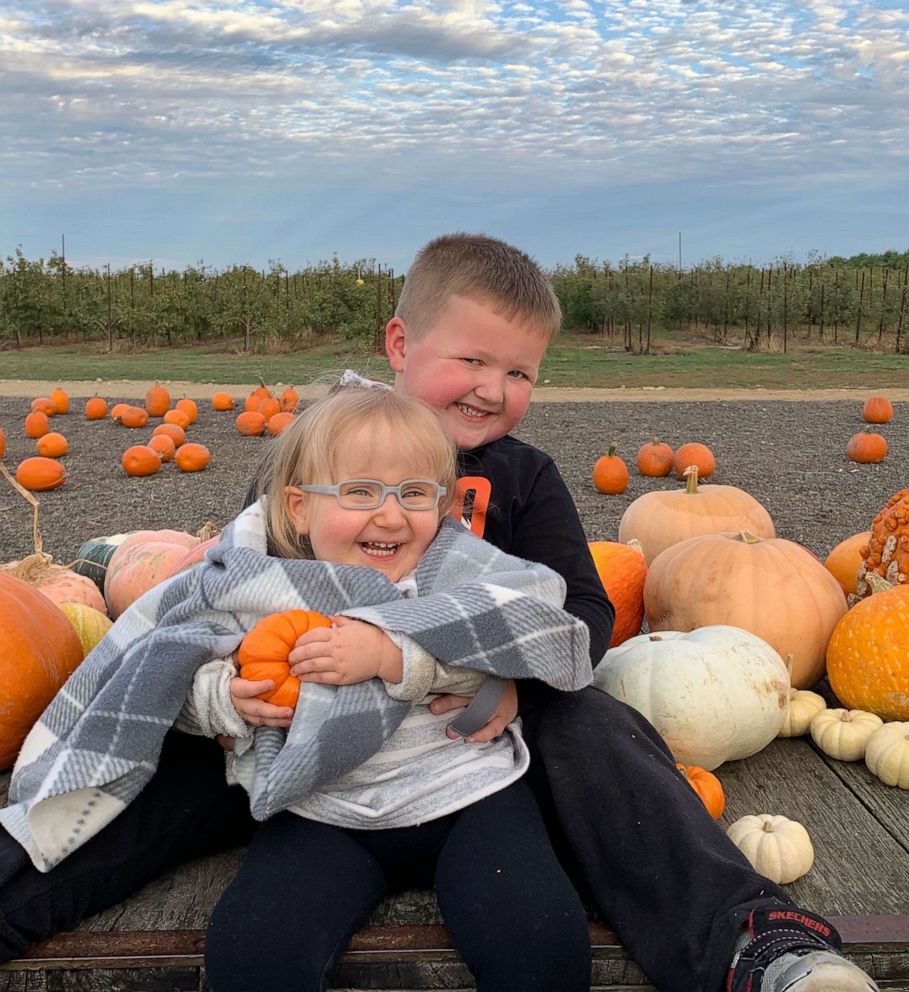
x,y
263,653
622,570
40,650
770,587
660,519
868,655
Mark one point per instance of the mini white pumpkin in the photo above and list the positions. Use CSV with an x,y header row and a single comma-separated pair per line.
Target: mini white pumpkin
x,y
804,706
715,694
887,754
843,734
777,847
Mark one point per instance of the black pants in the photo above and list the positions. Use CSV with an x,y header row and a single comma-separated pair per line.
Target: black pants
x,y
633,834
305,888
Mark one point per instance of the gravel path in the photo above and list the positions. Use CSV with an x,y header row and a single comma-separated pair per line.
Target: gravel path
x,y
789,455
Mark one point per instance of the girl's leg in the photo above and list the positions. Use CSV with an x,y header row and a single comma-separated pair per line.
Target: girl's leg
x,y
186,810
303,890
513,913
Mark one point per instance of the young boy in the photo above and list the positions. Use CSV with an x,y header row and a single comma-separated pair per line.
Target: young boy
x,y
472,325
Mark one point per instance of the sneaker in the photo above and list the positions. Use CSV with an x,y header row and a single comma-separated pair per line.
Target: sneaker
x,y
791,950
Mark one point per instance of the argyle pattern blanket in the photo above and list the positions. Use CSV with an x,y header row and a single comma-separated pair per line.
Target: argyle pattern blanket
x,y
97,743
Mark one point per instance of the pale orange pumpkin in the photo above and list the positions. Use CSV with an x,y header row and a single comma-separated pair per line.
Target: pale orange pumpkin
x,y
142,560
610,473
157,401
694,453
59,583
866,447
622,570
52,445
877,410
654,459
770,587
845,559
40,650
660,519
95,408
868,655
60,398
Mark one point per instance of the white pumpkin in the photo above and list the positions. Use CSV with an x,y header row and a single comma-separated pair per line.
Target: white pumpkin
x,y
715,694
842,733
804,706
887,754
777,847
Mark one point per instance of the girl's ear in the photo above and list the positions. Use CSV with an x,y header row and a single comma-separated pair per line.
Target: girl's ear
x,y
296,505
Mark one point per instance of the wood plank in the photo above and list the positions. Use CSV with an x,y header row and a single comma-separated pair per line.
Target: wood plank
x,y
859,868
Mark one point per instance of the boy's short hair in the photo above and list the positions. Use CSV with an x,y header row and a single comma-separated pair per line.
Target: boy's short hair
x,y
306,452
479,268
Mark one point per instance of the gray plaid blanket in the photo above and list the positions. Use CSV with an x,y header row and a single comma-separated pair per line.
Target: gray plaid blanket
x,y
97,743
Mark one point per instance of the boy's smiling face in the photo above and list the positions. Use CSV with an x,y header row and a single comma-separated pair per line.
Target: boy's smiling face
x,y
475,366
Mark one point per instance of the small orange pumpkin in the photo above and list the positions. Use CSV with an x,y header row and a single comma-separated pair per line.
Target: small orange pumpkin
x,y
654,459
694,453
269,407
707,786
264,651
867,447
845,559
877,410
39,474
118,409
189,407
222,401
60,398
140,460
164,445
95,408
157,400
36,424
192,457
132,416
45,405
610,473
52,445
250,423
178,417
290,400
2,442
174,431
279,422
622,569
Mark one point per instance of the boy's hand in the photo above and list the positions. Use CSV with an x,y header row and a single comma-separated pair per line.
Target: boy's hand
x,y
505,712
256,712
349,651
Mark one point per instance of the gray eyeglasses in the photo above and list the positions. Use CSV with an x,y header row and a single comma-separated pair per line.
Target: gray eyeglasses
x,y
369,494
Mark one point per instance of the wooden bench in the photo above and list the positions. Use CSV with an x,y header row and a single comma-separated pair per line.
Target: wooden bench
x,y
860,880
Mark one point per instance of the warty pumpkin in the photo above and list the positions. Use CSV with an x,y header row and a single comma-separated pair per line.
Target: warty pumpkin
x,y
654,459
40,650
60,398
769,586
877,410
610,473
264,651
707,786
622,571
52,445
95,408
868,655
36,424
866,447
40,474
887,552
140,460
192,457
694,453
660,519
157,401
777,847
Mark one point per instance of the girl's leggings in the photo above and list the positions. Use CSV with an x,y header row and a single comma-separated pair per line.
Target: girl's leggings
x,y
305,888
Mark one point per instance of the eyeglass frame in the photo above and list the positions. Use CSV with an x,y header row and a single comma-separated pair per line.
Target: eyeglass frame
x,y
335,490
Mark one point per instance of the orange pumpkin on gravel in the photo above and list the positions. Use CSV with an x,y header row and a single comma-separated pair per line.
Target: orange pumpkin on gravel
x,y
866,447
95,408
263,652
174,431
60,398
250,423
222,402
178,417
654,459
192,457
2,442
280,422
40,651
164,445
868,655
52,445
36,424
290,400
157,400
118,409
694,453
132,416
877,410
140,460
188,407
39,474
610,473
44,405
622,570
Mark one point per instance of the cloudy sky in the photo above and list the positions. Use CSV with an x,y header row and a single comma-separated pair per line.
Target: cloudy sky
x,y
249,130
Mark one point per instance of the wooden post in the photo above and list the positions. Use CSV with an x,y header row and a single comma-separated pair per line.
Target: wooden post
x,y
836,313
858,316
110,323
880,326
649,311
899,326
821,315
785,307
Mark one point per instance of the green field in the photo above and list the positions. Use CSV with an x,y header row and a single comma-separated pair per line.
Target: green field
x,y
574,360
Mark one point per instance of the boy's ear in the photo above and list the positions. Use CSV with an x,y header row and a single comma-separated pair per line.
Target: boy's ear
x,y
396,343
296,504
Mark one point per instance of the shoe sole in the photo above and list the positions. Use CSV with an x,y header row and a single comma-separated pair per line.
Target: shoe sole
x,y
832,977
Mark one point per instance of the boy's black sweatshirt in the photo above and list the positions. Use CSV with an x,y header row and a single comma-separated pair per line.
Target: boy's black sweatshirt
x,y
531,515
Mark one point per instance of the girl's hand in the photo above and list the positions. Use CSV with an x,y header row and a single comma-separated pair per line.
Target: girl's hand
x,y
505,712
350,651
256,712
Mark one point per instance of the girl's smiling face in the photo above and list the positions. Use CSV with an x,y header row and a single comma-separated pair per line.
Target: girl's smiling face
x,y
389,538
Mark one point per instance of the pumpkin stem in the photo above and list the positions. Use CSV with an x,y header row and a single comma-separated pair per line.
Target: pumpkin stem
x,y
36,534
610,451
877,582
636,544
746,537
691,474
767,827
208,530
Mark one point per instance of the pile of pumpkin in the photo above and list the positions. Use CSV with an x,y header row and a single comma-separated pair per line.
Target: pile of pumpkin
x,y
741,624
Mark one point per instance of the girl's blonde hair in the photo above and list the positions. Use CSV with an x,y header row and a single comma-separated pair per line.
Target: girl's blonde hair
x,y
307,452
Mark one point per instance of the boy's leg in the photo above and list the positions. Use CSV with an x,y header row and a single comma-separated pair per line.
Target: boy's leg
x,y
186,810
513,913
675,888
303,890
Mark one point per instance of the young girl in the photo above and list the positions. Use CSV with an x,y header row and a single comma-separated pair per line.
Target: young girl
x,y
364,792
